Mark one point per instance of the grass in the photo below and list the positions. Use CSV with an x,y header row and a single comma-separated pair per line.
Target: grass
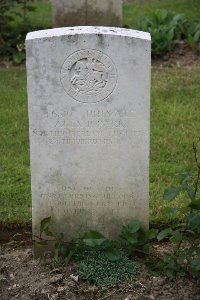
x,y
174,125
15,195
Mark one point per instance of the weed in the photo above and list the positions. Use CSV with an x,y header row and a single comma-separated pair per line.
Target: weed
x,y
186,255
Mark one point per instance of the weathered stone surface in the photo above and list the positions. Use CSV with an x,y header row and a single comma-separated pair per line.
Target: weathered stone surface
x,y
86,12
89,104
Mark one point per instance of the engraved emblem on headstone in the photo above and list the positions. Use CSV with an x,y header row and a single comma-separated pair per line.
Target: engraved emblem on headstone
x,y
88,76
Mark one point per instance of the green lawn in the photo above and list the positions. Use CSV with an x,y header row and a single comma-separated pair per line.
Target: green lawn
x,y
15,196
174,125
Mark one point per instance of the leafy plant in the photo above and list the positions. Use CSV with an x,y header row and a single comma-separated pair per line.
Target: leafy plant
x,y
102,261
169,266
193,33
134,239
167,29
65,250
186,256
189,183
12,33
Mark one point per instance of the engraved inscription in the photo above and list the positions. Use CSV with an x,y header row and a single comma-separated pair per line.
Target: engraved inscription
x,y
89,76
87,197
94,127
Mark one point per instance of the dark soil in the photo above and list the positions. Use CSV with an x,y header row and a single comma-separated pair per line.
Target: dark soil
x,y
182,55
25,278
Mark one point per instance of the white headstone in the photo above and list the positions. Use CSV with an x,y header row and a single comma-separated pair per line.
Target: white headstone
x,y
86,12
89,105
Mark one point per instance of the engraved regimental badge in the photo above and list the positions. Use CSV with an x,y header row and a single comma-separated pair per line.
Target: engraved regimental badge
x,y
88,76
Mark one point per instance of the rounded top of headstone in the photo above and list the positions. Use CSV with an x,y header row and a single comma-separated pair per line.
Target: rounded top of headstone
x,y
56,32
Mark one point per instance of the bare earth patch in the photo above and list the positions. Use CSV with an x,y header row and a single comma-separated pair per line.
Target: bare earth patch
x,y
182,56
25,278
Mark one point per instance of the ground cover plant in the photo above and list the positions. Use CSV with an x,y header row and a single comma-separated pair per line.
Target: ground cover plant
x,y
96,268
